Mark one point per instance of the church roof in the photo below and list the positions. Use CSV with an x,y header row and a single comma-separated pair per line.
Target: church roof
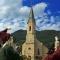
x,y
4,36
31,15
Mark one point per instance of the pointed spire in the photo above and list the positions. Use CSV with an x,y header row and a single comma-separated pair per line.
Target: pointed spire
x,y
31,15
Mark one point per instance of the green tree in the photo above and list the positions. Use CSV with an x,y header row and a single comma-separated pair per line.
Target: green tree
x,y
8,53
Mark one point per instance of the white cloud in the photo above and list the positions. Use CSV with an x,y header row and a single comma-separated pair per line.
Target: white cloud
x,y
8,12
11,2
15,24
50,27
16,17
9,7
48,24
2,2
13,27
3,11
39,9
49,12
24,11
52,19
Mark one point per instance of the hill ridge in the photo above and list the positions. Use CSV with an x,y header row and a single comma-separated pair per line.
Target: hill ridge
x,y
45,36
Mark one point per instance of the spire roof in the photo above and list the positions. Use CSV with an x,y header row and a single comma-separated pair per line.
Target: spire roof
x,y
31,15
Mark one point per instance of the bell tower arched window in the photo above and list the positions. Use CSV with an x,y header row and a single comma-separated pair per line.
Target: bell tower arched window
x,y
29,28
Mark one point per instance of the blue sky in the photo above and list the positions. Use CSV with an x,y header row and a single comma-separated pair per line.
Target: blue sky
x,y
53,4
14,14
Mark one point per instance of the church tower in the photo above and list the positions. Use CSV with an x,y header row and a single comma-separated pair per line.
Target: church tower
x,y
32,49
28,47
31,28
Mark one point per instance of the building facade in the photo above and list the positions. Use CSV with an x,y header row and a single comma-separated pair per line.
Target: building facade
x,y
32,48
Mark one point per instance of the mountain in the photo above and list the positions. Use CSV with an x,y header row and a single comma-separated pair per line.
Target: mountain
x,y
46,36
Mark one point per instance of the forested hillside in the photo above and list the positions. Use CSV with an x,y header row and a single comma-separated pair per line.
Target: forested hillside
x,y
46,36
